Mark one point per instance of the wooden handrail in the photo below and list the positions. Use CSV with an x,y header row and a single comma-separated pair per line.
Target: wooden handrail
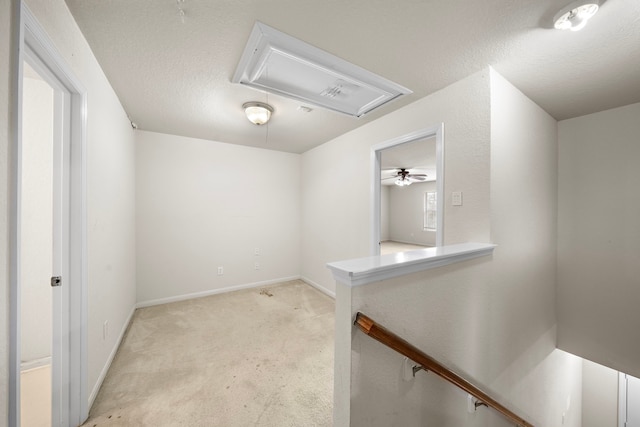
x,y
375,330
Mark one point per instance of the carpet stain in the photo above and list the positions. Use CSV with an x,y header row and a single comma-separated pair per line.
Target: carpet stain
x,y
227,360
266,292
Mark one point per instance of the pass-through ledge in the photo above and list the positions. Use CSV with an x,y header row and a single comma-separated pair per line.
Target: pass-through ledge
x,y
360,271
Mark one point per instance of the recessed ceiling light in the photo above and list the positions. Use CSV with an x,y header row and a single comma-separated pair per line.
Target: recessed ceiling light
x,y
575,16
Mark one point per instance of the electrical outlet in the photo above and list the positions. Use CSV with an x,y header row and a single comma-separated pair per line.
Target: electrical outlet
x,y
256,266
220,271
105,329
256,251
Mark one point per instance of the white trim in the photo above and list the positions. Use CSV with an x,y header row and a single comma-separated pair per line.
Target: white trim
x,y
184,297
319,287
376,152
35,363
34,44
622,399
107,365
266,44
362,271
14,214
407,242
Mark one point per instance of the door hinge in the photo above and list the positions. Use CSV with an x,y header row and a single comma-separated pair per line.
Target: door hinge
x,y
56,281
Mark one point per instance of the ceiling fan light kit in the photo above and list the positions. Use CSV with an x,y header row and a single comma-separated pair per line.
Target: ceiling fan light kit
x,y
404,177
575,16
258,113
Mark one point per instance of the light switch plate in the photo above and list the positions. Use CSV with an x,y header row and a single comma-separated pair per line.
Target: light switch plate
x,y
456,198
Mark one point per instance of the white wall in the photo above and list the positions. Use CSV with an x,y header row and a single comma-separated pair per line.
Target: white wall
x,y
524,226
8,75
36,220
336,177
448,313
493,318
406,214
204,204
599,237
599,395
110,190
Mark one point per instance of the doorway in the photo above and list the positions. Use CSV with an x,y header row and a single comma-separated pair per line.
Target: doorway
x,y
408,198
37,250
48,238
394,162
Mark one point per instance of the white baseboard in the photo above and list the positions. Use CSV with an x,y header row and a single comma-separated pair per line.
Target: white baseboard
x,y
184,297
409,243
36,363
107,365
322,289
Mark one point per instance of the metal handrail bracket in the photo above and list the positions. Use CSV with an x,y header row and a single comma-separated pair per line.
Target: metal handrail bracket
x,y
427,363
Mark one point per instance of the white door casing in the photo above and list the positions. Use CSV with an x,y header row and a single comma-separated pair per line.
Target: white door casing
x,y
69,370
629,401
376,155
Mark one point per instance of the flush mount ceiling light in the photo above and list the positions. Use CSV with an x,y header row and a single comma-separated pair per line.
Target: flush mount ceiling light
x,y
276,62
257,112
575,16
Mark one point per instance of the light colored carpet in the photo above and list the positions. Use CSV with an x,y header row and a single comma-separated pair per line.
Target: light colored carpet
x,y
257,357
390,247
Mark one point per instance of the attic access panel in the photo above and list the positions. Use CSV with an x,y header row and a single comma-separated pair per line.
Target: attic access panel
x,y
276,62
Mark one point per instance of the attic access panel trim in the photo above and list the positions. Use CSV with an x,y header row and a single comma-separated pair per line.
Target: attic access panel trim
x,y
276,62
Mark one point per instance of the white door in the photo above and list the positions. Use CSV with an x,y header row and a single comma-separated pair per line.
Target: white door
x,y
42,351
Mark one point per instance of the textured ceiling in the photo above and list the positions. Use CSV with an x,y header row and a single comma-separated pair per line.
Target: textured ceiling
x,y
174,77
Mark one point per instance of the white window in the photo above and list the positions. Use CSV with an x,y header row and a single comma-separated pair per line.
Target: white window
x,y
430,211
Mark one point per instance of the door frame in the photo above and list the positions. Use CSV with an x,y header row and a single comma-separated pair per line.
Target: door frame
x,y
34,45
437,132
622,399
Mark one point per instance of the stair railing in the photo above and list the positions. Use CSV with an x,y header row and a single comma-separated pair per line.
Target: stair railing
x,y
426,362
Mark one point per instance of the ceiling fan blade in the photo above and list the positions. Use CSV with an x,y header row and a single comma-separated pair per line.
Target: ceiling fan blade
x,y
419,178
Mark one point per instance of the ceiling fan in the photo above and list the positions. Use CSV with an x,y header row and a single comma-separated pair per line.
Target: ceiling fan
x,y
403,177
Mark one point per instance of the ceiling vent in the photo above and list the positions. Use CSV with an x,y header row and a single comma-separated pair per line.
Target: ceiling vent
x,y
278,63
